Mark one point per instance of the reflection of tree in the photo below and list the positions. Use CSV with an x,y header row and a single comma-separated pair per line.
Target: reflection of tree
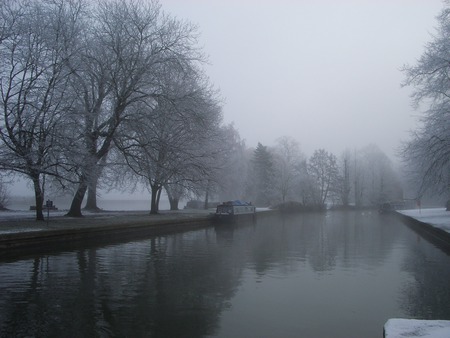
x,y
29,306
42,307
323,251
164,286
324,240
428,293
149,296
176,293
89,312
365,234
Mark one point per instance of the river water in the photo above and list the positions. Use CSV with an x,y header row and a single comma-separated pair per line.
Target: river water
x,y
340,274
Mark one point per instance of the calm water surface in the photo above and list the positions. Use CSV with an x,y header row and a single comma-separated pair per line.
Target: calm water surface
x,y
342,274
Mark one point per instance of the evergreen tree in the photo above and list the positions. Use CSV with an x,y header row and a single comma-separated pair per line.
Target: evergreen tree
x,y
262,179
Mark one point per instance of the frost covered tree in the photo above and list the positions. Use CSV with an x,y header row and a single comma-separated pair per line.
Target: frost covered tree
x,y
230,176
427,154
128,47
37,39
372,177
287,160
73,72
323,171
344,185
222,147
171,140
303,184
381,183
175,192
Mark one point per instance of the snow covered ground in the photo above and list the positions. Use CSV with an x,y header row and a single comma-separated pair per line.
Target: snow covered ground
x,y
396,328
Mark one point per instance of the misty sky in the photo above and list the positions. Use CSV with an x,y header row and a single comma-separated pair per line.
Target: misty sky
x,y
326,72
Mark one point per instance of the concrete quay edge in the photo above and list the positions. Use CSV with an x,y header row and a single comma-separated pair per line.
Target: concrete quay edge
x,y
105,232
436,236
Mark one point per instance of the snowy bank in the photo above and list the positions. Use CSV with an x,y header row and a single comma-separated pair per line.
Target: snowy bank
x,y
396,328
431,224
436,217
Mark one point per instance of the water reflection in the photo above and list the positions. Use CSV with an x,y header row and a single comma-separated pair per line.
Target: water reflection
x,y
161,287
428,294
286,275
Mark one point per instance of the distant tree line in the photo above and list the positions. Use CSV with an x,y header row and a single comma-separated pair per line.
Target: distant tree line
x,y
283,174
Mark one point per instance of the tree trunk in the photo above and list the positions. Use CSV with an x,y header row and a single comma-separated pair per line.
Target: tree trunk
x,y
38,198
91,201
75,207
205,206
346,185
154,201
173,203
158,198
206,197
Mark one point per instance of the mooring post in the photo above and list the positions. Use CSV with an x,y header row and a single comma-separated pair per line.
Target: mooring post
x,y
49,204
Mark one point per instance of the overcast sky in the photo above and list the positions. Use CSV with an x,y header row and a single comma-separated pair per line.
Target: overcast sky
x,y
326,72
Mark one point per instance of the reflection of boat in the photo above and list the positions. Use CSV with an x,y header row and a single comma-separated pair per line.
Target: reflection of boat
x,y
232,211
385,208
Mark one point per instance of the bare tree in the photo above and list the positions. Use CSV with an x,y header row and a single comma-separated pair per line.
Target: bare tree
x,y
119,71
372,178
169,141
323,170
344,187
10,12
225,179
381,181
358,179
427,154
303,183
287,159
175,191
232,165
34,53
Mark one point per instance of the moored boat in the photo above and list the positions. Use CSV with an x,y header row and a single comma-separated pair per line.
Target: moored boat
x,y
233,211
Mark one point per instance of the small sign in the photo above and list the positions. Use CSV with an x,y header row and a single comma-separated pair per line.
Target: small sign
x,y
49,204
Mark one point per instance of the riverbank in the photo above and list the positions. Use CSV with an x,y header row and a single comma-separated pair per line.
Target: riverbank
x,y
437,217
20,232
434,225
19,222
